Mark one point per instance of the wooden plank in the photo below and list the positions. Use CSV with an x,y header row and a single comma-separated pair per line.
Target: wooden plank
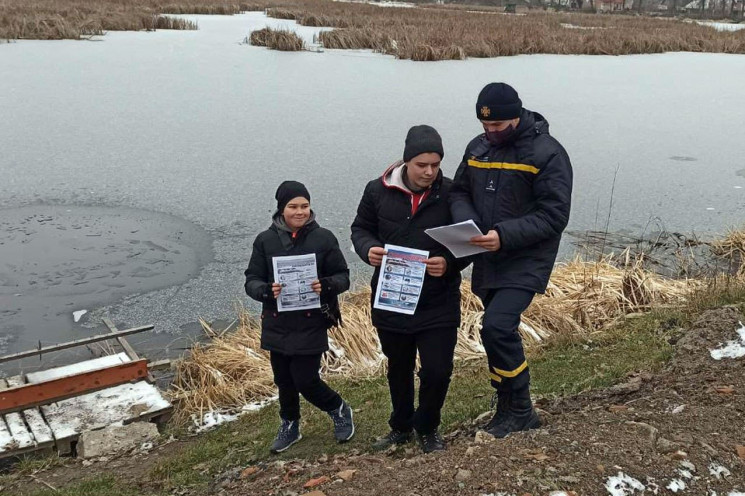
x,y
77,368
37,426
164,364
17,427
122,342
20,437
31,395
131,353
73,344
7,443
124,403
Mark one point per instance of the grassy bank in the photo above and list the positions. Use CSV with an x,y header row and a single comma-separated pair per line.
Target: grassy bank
x,y
583,300
568,366
599,322
425,33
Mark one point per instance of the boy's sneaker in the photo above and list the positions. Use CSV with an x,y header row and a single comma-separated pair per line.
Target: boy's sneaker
x,y
430,442
288,434
343,423
393,438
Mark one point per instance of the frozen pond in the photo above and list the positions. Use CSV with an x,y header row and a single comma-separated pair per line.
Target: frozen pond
x,y
197,129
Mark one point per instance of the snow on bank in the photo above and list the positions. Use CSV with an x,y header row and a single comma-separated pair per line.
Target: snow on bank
x,y
403,5
722,26
212,419
718,470
574,26
732,349
623,485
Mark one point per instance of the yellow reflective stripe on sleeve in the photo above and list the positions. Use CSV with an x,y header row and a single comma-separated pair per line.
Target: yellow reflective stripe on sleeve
x,y
495,377
511,373
503,165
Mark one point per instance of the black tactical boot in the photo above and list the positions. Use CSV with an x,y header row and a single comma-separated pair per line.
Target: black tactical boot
x,y
288,434
430,442
395,437
500,400
520,415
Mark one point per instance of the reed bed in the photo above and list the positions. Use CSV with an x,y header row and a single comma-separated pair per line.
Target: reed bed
x,y
731,248
582,298
277,39
425,33
437,34
75,19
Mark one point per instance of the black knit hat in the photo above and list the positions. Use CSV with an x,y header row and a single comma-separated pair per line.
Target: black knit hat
x,y
289,190
422,139
498,102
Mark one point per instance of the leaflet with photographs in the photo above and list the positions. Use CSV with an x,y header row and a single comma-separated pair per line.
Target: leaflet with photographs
x,y
296,274
401,279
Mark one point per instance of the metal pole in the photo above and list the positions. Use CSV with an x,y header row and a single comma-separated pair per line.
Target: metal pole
x,y
73,344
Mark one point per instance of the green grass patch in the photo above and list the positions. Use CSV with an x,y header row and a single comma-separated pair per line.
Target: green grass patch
x,y
105,485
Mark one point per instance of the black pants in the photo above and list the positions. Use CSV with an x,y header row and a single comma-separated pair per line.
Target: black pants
x,y
508,369
298,374
436,348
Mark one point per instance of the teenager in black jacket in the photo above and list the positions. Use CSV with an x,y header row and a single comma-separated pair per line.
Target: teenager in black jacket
x,y
296,340
396,208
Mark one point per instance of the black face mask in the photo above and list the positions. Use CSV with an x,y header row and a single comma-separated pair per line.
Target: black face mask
x,y
499,137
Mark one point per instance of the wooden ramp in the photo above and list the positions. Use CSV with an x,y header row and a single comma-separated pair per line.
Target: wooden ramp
x,y
60,423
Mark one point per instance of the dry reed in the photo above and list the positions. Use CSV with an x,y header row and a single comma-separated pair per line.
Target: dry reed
x,y
732,249
424,33
277,39
582,298
435,33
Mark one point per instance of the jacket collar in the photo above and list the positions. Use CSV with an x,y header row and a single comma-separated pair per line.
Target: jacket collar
x,y
393,178
531,123
285,233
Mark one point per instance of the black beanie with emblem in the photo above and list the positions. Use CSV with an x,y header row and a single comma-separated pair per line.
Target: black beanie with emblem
x,y
422,139
289,190
498,102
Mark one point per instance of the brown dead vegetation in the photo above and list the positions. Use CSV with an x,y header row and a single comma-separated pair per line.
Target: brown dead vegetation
x,y
424,33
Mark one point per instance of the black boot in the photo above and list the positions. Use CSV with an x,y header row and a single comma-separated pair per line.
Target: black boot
x,y
393,438
500,400
520,415
431,441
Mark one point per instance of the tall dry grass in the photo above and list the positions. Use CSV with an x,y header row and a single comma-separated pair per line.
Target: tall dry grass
x,y
582,298
277,39
73,19
436,33
731,248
